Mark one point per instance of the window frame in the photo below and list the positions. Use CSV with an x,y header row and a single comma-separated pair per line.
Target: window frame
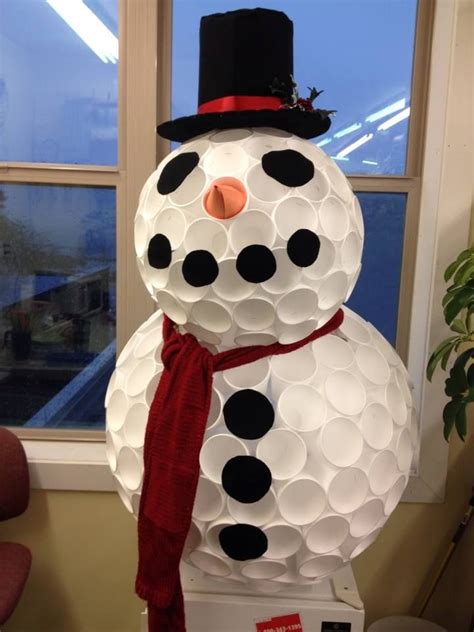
x,y
64,459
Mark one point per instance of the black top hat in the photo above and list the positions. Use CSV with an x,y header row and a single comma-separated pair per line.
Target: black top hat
x,y
246,78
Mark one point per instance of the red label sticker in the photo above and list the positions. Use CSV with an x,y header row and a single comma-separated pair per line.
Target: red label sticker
x,y
284,623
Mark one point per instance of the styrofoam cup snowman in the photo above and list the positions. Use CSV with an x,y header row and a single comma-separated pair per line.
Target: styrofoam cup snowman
x,y
251,235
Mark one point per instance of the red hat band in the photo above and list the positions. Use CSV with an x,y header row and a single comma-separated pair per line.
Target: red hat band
x,y
240,103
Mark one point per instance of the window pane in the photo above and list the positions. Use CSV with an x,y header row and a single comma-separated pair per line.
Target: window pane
x,y
57,304
359,51
375,295
58,89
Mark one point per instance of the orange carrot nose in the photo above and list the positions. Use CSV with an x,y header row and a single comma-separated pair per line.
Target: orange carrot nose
x,y
225,198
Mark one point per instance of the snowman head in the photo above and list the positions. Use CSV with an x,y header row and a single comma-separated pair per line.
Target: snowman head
x,y
247,236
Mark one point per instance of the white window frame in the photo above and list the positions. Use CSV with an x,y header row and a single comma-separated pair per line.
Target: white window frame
x,y
145,45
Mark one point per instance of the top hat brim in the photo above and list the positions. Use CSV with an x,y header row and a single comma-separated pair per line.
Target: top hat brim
x,y
299,122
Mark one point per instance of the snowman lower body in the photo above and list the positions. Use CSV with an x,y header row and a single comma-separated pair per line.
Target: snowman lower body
x,y
332,423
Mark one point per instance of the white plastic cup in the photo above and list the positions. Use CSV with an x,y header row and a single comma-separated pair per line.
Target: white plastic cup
x,y
317,188
254,375
263,187
249,228
287,275
263,569
116,410
318,566
297,367
382,472
283,451
225,159
301,500
293,333
254,314
404,451
139,377
284,540
367,518
171,223
292,214
215,453
209,500
210,563
141,235
351,253
394,495
248,339
376,426
204,336
327,534
348,490
229,285
373,366
129,468
396,404
212,315
258,513
178,285
354,328
302,408
366,542
333,290
194,537
297,306
341,442
171,307
325,261
207,234
190,189
334,351
135,424
213,531
345,392
334,218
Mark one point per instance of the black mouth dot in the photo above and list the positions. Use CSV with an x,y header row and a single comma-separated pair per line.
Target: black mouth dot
x,y
200,268
159,252
256,264
303,247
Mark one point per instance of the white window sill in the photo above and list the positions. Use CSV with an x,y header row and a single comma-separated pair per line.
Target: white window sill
x,y
68,465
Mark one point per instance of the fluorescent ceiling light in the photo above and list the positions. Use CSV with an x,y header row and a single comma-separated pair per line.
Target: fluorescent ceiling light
x,y
88,27
323,142
348,130
394,120
370,162
390,109
339,158
350,148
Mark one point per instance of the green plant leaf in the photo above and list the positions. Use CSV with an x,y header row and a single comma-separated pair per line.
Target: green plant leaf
x,y
449,416
456,385
459,302
459,326
451,269
446,354
437,354
464,272
470,376
461,421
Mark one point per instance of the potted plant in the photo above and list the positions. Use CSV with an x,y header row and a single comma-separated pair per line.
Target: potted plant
x,y
458,307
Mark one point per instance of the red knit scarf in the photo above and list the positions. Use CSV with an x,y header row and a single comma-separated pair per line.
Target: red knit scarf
x,y
173,440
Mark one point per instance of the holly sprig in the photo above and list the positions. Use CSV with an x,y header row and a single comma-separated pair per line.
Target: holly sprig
x,y
458,308
289,93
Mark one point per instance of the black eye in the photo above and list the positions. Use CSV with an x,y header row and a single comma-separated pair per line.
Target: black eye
x,y
200,268
159,252
176,172
288,167
243,542
256,263
303,247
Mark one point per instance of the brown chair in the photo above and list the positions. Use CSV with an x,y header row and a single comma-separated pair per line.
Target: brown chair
x,y
15,559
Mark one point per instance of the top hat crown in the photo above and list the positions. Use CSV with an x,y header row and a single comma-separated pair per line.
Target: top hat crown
x,y
244,56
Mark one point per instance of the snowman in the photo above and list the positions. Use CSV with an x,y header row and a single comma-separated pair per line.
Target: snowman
x,y
250,235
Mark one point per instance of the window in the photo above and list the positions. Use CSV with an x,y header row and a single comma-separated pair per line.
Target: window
x,y
70,175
